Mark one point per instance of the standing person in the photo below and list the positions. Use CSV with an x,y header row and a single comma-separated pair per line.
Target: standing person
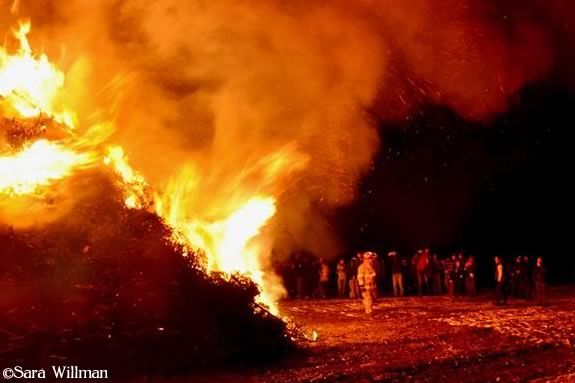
x,y
341,278
449,271
539,280
422,269
436,270
354,292
500,291
459,277
300,271
323,278
396,273
366,281
470,283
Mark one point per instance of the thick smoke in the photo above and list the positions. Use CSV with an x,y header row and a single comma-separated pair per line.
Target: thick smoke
x,y
223,83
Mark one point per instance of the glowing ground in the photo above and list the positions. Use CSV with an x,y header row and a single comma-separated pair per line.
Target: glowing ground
x,y
429,339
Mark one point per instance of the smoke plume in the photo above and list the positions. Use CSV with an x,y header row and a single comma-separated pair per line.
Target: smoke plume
x,y
223,83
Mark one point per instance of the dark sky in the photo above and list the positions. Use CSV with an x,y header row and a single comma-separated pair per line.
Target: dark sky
x,y
497,187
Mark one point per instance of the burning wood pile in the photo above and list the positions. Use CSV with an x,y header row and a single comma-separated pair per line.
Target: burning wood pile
x,y
91,273
105,286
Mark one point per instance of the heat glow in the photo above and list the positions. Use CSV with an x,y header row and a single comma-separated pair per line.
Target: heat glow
x,y
30,88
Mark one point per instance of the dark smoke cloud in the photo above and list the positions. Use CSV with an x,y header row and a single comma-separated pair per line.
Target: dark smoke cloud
x,y
223,82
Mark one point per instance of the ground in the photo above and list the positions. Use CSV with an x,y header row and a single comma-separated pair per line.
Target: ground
x,y
427,339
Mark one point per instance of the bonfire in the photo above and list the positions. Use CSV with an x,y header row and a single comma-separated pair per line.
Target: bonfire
x,y
102,268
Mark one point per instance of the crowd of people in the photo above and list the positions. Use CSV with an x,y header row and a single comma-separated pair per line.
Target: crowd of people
x,y
368,274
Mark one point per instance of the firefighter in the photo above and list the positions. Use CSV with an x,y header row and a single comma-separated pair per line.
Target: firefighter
x,y
366,279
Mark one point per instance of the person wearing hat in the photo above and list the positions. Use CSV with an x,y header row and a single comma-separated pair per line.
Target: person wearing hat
x,y
366,279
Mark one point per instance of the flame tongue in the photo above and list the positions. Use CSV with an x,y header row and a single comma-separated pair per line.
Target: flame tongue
x,y
233,234
38,165
31,85
228,241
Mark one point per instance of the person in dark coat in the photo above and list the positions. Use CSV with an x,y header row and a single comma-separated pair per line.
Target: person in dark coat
x,y
300,270
459,277
354,292
422,269
517,278
539,281
449,271
470,281
436,271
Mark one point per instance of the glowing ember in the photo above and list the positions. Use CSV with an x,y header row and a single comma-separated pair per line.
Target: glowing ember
x,y
37,165
30,85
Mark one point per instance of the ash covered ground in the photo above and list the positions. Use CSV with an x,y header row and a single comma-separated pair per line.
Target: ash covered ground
x,y
428,339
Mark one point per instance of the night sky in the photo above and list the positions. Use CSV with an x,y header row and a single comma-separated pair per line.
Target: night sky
x,y
503,186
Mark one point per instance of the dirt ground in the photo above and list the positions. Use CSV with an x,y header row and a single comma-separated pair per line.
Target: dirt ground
x,y
427,339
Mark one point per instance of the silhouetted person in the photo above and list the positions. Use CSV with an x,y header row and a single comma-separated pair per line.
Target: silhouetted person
x,y
354,292
422,269
300,269
459,277
436,271
539,281
341,278
517,278
470,281
449,270
500,290
396,273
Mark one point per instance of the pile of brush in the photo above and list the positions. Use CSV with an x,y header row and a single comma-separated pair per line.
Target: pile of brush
x,y
104,287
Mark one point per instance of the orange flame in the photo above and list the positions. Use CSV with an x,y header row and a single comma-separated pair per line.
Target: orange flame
x,y
133,184
37,165
31,85
227,228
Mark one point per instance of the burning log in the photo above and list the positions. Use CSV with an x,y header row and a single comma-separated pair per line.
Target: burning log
x,y
105,286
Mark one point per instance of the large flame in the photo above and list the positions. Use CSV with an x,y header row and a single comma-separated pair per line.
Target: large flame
x,y
38,165
228,240
31,85
227,230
